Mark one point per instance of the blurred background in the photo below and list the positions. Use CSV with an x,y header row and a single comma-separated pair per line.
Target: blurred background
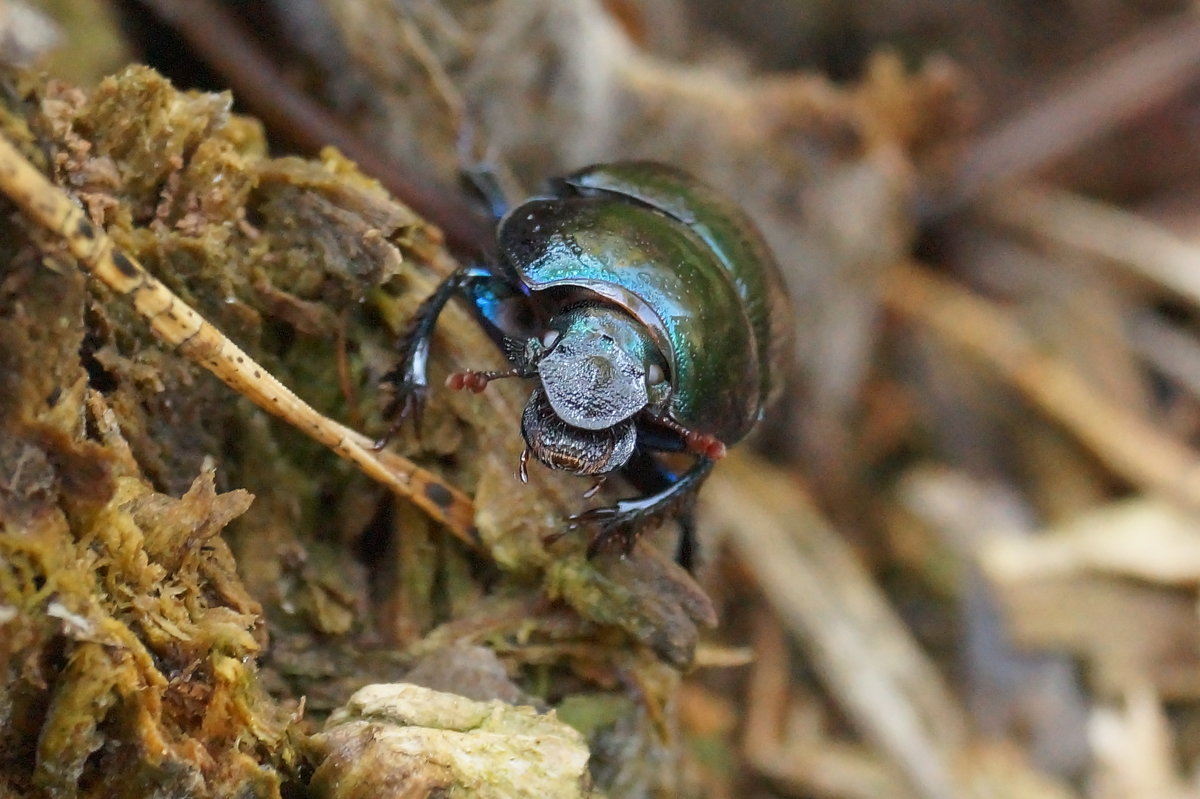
x,y
962,557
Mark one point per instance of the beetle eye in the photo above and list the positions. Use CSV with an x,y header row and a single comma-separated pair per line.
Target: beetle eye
x,y
550,338
654,375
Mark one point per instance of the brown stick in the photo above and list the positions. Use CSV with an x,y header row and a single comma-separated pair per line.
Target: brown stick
x,y
1125,239
257,82
177,324
1112,88
1131,445
877,673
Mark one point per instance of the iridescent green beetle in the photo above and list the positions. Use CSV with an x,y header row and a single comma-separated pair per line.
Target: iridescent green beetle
x,y
654,317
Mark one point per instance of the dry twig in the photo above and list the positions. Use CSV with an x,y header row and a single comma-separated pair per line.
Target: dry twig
x,y
1105,231
181,327
1131,445
1114,87
868,659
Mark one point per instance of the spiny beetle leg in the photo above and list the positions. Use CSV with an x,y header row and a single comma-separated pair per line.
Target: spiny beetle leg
x,y
625,521
409,381
650,475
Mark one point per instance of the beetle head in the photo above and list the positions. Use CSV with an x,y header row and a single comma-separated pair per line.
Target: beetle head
x,y
574,449
600,368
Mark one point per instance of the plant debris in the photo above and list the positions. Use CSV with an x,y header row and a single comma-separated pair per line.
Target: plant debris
x,y
959,561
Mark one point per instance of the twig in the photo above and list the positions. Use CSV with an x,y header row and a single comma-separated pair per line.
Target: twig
x,y
805,764
1144,248
257,82
1119,84
1131,445
1168,347
871,664
181,327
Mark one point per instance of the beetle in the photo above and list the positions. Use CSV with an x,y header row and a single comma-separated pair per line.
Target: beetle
x,y
654,317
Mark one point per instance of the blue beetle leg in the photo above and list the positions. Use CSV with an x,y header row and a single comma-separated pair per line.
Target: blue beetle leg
x,y
629,518
481,168
409,380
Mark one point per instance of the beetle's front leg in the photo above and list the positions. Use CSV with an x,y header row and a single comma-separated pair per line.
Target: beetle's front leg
x,y
628,519
650,475
409,381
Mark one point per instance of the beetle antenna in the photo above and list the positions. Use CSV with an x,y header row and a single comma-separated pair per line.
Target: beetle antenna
x,y
478,381
591,492
701,444
524,355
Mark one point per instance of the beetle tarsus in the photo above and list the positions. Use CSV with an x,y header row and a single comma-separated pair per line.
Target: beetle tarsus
x,y
552,538
604,538
408,401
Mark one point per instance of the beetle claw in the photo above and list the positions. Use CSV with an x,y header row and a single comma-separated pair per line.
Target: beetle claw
x,y
548,540
408,400
620,524
621,536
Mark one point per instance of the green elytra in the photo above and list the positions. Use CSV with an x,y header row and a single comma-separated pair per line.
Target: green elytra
x,y
618,269
709,289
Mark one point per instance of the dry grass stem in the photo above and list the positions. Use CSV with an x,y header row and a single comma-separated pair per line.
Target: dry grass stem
x,y
1130,444
1104,231
181,327
803,760
865,654
1168,347
1114,87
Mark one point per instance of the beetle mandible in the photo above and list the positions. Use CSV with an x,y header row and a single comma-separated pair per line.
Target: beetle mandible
x,y
655,318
